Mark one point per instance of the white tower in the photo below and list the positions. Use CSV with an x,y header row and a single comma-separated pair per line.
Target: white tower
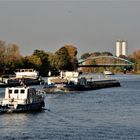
x,y
124,48
121,48
118,48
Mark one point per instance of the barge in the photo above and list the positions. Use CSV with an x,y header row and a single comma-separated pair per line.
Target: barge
x,y
22,99
71,81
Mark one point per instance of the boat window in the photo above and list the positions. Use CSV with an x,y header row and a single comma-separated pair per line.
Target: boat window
x,y
22,91
16,91
10,91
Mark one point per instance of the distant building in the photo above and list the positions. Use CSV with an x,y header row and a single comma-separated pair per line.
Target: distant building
x,y
121,48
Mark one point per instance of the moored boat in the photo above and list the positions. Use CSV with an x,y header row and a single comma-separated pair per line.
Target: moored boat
x,y
22,99
27,73
26,76
107,72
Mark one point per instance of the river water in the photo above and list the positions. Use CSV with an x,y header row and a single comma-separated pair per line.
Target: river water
x,y
104,114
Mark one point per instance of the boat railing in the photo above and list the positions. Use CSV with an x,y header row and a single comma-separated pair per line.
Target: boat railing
x,y
40,93
8,76
95,77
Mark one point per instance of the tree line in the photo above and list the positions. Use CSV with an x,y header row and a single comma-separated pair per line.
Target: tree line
x,y
134,57
64,58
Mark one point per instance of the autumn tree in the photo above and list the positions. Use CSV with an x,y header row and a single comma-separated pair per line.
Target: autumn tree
x,y
136,58
2,55
136,55
72,52
9,56
62,59
12,52
44,68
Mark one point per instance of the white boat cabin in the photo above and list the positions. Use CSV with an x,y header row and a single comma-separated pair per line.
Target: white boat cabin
x,y
21,95
26,73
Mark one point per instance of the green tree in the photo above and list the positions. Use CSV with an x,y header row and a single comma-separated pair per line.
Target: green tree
x,y
95,54
72,52
32,62
84,56
44,68
51,60
107,53
124,57
62,59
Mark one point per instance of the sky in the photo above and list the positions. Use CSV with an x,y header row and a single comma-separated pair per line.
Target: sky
x,y
89,25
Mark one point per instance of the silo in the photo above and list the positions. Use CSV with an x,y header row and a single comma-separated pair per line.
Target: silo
x,y
124,48
118,48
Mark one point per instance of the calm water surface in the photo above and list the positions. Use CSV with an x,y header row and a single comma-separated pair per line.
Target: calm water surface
x,y
105,114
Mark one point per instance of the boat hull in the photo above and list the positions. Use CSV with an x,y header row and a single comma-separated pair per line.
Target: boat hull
x,y
27,82
23,108
91,85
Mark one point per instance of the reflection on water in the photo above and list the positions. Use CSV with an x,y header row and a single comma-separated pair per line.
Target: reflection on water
x,y
105,114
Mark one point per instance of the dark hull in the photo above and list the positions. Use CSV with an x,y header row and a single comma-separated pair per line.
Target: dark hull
x,y
27,82
91,85
35,107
